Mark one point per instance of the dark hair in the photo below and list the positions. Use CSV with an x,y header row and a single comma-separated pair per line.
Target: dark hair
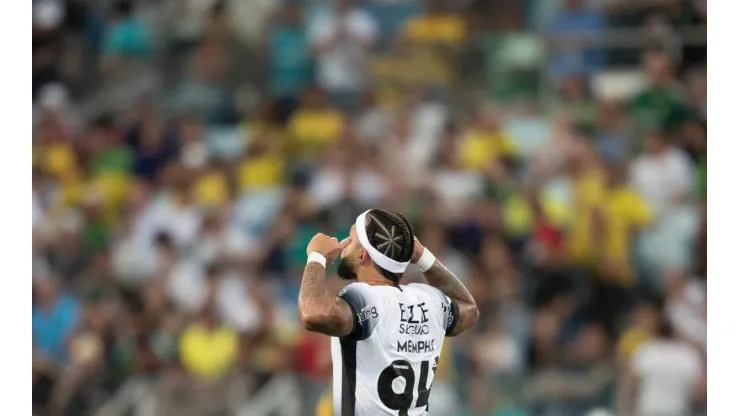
x,y
391,234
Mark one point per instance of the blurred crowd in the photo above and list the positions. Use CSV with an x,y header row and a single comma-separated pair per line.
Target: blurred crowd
x,y
552,153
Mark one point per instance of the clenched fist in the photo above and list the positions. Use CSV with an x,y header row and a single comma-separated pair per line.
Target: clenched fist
x,y
328,247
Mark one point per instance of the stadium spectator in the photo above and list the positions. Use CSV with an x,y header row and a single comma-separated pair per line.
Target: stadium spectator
x,y
341,39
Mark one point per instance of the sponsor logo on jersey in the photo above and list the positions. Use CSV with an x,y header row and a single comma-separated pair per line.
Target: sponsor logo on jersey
x,y
366,313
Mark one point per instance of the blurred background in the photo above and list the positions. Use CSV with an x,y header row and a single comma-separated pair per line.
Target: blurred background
x,y
552,153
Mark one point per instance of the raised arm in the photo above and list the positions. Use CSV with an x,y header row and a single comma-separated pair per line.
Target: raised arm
x,y
319,310
439,276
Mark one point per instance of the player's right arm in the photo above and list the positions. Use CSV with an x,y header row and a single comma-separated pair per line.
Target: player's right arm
x,y
319,310
464,311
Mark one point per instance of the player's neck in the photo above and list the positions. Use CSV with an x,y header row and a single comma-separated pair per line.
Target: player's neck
x,y
374,278
379,282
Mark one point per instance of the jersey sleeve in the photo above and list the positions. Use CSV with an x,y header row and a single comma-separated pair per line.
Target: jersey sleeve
x,y
451,314
365,308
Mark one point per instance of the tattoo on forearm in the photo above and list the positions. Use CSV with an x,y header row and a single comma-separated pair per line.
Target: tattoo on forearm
x,y
443,279
313,283
446,281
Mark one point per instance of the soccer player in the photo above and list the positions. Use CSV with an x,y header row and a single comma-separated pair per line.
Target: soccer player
x,y
386,337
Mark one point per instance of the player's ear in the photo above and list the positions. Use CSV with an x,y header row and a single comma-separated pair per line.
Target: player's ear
x,y
364,256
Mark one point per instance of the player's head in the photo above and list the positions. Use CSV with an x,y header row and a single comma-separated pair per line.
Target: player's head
x,y
380,240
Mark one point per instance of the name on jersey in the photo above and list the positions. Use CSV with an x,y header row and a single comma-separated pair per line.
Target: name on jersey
x,y
416,347
414,319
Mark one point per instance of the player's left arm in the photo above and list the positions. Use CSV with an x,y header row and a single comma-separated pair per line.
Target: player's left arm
x,y
462,310
320,311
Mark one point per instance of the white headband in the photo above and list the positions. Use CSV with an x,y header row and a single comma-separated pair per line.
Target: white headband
x,y
385,262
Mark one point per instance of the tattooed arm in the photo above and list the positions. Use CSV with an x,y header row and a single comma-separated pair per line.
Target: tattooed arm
x,y
319,310
443,279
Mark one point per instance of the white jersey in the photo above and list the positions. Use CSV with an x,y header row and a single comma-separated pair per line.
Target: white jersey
x,y
386,365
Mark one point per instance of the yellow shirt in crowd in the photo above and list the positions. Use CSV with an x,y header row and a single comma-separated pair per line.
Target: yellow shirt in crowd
x,y
626,211
59,160
261,172
208,354
266,170
518,215
315,128
113,187
588,194
211,189
479,148
444,29
73,192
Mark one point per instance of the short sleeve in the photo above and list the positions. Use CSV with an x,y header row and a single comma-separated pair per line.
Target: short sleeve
x,y
365,308
451,314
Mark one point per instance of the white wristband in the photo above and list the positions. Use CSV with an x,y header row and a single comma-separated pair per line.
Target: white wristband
x,y
426,261
316,257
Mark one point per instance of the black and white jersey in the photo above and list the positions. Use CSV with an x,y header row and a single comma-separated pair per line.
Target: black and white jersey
x,y
386,365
